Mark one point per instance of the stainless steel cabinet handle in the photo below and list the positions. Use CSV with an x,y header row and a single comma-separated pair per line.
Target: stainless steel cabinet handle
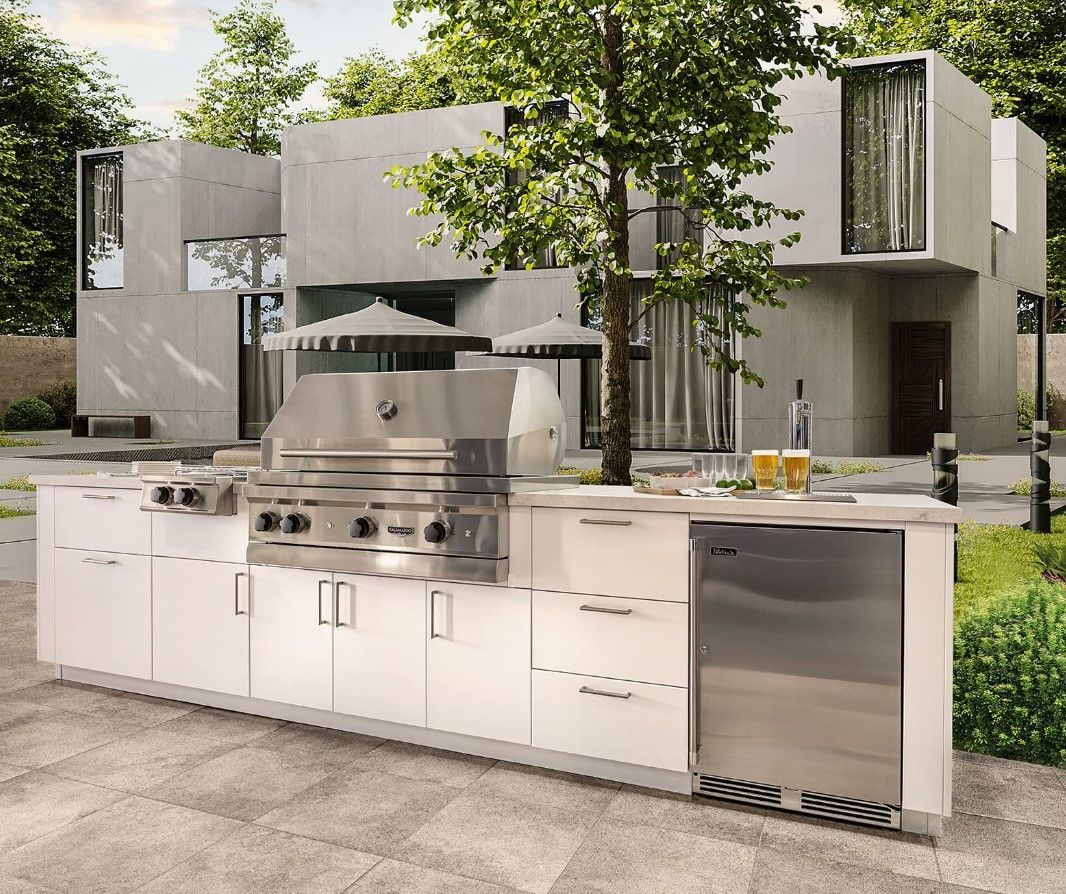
x,y
940,394
318,606
616,522
237,593
588,690
337,622
433,594
98,496
693,670
326,453
606,611
101,561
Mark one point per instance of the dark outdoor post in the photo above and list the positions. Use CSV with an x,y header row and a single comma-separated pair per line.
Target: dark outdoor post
x,y
945,460
1040,470
1041,357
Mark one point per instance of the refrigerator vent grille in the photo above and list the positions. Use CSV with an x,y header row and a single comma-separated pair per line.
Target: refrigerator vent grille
x,y
738,790
850,810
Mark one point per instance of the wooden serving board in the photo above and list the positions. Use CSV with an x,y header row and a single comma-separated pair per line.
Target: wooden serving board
x,y
658,491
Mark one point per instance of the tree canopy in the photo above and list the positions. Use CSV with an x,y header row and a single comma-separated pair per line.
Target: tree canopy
x,y
249,91
53,102
677,98
1014,49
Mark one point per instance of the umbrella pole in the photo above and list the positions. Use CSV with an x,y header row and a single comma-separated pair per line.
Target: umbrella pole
x,y
559,377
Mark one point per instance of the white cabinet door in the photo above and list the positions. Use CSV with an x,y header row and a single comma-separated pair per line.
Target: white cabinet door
x,y
379,648
478,673
103,612
200,624
291,632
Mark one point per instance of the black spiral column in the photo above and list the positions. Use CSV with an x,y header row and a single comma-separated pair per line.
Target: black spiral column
x,y
945,461
1040,470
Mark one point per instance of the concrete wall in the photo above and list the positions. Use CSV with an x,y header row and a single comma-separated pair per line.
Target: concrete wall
x,y
1019,203
29,364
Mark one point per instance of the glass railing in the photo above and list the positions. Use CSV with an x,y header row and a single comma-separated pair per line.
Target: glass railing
x,y
250,262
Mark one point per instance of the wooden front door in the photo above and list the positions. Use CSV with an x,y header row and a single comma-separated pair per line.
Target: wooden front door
x,y
921,385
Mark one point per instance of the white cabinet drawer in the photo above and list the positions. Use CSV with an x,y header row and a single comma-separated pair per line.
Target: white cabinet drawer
x,y
632,639
619,720
186,535
103,612
613,553
102,518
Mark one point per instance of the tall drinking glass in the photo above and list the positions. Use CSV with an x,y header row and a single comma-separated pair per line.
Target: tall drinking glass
x,y
764,465
797,465
729,466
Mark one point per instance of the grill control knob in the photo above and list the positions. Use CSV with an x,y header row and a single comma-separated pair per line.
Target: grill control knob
x,y
266,521
437,532
293,524
186,496
362,527
160,495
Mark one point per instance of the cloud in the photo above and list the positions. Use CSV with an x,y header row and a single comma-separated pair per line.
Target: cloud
x,y
151,24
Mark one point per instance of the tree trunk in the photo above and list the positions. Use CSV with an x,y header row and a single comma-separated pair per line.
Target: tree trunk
x,y
614,395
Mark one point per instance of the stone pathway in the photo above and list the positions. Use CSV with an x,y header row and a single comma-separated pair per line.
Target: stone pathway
x,y
105,791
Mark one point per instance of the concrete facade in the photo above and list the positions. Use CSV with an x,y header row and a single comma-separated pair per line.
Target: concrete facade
x,y
349,237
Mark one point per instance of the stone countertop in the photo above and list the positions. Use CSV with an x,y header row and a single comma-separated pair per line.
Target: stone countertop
x,y
125,481
868,507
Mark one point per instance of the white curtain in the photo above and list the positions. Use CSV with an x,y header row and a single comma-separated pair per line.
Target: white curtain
x,y
678,402
102,238
885,158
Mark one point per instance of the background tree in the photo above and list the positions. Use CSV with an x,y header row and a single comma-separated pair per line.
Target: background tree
x,y
53,102
648,84
247,94
375,84
1015,50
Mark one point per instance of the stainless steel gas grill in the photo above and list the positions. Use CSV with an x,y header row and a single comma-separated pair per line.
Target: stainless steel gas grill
x,y
403,473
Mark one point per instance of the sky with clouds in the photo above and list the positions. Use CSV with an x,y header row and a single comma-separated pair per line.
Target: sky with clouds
x,y
156,47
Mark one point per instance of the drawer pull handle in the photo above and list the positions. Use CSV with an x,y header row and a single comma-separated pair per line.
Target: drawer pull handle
x,y
101,561
588,690
98,496
606,611
614,522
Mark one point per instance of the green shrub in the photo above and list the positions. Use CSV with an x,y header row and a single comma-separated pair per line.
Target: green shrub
x,y
29,414
62,397
1010,676
1026,410
588,476
1023,487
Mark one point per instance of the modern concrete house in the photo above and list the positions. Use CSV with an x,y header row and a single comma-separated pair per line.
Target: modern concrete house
x,y
924,221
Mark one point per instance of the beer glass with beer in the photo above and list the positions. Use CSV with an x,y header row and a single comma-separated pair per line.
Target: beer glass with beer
x,y
764,467
797,470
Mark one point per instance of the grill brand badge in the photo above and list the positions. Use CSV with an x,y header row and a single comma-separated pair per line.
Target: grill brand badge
x,y
401,531
730,551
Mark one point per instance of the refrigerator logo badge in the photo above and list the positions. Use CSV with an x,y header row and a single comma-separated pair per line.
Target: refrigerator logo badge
x,y
723,551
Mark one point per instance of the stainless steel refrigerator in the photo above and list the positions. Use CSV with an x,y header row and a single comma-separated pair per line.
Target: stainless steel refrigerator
x,y
797,668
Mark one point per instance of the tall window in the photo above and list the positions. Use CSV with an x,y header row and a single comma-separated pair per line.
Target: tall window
x,y
101,238
260,371
884,158
677,401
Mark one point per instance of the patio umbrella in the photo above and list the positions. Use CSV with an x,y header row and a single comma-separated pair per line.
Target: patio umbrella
x,y
378,328
558,340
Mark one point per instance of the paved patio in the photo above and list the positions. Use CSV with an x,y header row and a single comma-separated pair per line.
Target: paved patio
x,y
107,792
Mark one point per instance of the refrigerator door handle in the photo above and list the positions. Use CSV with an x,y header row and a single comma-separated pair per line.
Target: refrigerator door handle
x,y
693,662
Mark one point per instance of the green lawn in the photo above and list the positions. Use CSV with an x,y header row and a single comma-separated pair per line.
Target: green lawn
x,y
9,512
22,482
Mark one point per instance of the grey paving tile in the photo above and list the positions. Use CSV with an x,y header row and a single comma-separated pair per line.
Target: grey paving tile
x,y
14,712
364,810
331,748
18,560
140,710
683,813
430,764
62,695
116,849
18,678
9,885
618,858
499,840
777,872
57,736
36,803
224,726
1028,793
144,759
1002,856
243,783
394,877
882,849
10,771
255,860
550,788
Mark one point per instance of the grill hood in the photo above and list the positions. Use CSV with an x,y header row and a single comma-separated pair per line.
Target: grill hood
x,y
499,422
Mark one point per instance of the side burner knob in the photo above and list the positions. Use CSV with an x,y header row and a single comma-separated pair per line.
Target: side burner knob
x,y
361,527
437,532
292,524
186,496
160,495
265,521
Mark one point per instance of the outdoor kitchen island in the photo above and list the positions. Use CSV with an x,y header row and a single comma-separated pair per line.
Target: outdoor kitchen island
x,y
579,660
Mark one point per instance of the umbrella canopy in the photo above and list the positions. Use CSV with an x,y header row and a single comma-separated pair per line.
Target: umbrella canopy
x,y
558,339
376,329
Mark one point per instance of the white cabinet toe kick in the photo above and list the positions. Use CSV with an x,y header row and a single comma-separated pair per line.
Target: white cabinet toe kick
x,y
580,661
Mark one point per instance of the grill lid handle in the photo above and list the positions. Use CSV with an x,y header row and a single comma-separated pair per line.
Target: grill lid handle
x,y
327,453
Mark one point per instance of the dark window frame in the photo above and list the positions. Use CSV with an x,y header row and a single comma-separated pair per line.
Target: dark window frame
x,y
242,295
87,212
924,63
